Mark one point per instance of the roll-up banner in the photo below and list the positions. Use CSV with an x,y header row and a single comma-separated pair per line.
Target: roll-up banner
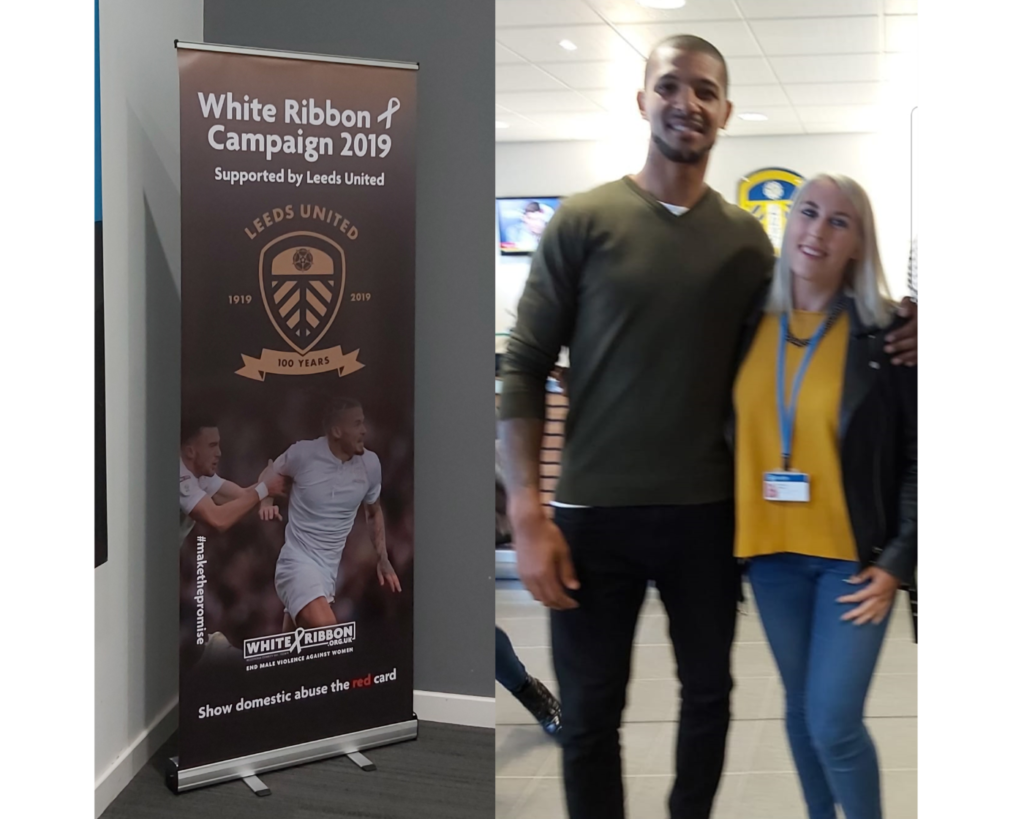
x,y
296,468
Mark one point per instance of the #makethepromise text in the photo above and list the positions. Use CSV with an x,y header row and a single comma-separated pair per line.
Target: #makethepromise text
x,y
362,142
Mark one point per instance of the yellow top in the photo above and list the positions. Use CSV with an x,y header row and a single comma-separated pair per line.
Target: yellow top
x,y
820,528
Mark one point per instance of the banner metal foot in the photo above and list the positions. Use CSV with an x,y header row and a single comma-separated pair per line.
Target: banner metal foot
x,y
360,760
256,785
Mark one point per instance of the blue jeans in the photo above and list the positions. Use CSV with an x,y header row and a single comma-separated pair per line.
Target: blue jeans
x,y
508,670
826,666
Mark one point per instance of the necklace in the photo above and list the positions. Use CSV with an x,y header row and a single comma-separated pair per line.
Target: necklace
x,y
838,305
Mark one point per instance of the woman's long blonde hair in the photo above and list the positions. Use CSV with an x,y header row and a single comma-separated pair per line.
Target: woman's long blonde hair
x,y
864,279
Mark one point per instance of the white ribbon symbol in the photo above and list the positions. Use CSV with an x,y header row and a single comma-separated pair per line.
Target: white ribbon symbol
x,y
393,105
297,645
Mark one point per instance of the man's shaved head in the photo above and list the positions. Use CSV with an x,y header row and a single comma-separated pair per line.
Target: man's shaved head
x,y
689,42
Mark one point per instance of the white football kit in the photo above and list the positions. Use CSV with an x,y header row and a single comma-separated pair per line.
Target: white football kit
x,y
191,490
326,496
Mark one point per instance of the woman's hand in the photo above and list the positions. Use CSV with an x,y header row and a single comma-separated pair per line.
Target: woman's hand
x,y
875,598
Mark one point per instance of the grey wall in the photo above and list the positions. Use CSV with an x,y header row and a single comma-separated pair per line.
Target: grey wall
x,y
453,40
136,603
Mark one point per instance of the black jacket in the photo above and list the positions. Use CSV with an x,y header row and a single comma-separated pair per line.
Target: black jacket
x,y
878,449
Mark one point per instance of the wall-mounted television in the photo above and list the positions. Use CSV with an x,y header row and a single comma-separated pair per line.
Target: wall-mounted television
x,y
521,222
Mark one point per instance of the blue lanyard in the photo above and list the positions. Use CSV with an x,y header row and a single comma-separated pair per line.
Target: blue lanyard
x,y
787,414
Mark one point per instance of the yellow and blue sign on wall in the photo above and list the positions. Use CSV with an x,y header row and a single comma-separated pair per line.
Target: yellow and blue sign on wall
x,y
768,194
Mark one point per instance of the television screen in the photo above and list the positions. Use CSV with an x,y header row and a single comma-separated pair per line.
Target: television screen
x,y
522,221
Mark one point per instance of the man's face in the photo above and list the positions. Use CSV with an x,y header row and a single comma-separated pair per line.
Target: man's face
x,y
350,430
204,451
684,101
535,222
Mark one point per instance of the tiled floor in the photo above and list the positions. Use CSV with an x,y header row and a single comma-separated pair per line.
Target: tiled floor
x,y
759,782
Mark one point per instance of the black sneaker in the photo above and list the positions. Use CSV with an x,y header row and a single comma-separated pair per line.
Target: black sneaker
x,y
540,702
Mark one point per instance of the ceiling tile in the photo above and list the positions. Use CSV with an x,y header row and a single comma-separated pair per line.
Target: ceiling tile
x,y
758,95
507,136
591,127
512,13
524,78
513,122
748,129
502,56
850,115
629,11
901,34
541,44
546,102
750,71
594,123
733,39
533,135
776,9
838,128
901,6
616,100
627,73
831,68
897,66
775,113
527,132
836,93
821,35
901,69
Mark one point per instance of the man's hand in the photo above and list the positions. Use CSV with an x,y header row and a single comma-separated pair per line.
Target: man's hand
x,y
875,598
545,566
562,376
387,576
902,343
273,481
270,512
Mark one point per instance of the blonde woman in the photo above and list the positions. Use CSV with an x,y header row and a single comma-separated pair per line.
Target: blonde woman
x,y
826,485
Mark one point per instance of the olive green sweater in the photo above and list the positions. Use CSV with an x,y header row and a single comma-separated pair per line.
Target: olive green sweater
x,y
651,307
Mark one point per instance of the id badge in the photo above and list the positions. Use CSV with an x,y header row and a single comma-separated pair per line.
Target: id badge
x,y
792,487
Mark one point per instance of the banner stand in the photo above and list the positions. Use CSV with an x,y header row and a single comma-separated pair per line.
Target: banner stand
x,y
296,472
180,781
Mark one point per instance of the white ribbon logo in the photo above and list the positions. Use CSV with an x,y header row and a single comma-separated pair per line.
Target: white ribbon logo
x,y
393,105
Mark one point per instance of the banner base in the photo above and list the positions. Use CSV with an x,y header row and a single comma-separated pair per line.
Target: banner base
x,y
256,785
363,763
180,780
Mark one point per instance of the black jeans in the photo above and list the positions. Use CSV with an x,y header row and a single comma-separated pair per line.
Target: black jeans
x,y
508,670
687,551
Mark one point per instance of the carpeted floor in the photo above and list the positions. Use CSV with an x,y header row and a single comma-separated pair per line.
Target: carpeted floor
x,y
447,773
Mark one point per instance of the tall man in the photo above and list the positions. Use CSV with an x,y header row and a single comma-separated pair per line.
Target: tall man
x,y
203,494
332,478
648,281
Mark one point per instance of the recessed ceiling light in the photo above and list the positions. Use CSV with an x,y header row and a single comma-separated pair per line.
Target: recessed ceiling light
x,y
662,4
752,117
568,45
499,124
